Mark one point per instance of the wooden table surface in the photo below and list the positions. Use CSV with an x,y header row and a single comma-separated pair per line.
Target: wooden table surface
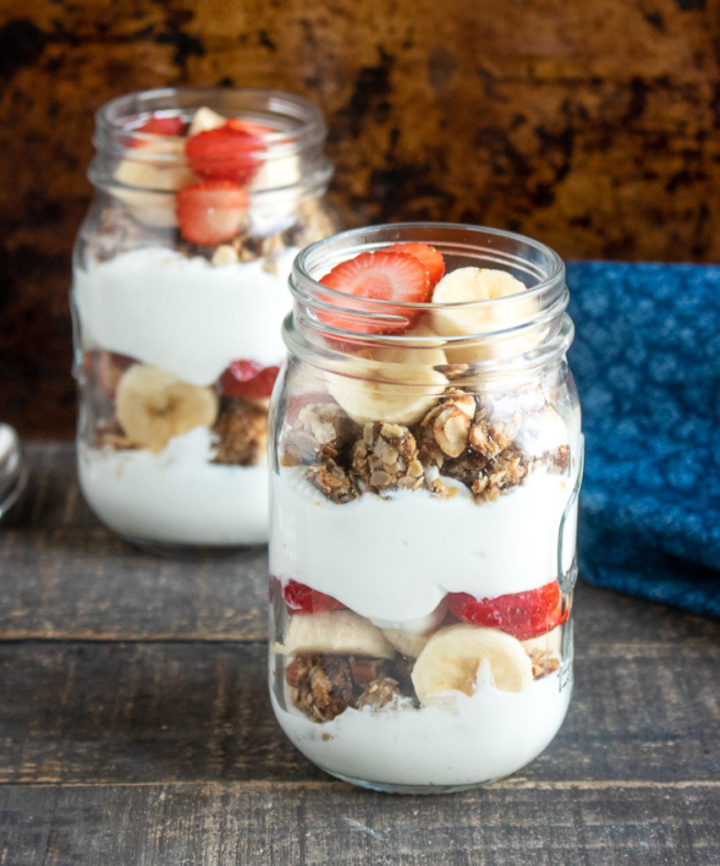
x,y
135,726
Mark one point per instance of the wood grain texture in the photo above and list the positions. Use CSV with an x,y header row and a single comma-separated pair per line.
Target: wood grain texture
x,y
77,713
592,126
509,824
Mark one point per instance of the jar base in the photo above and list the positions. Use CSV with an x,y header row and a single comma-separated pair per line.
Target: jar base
x,y
175,550
413,790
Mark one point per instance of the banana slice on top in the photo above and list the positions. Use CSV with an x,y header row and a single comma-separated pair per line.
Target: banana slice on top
x,y
335,631
395,385
152,406
465,285
452,656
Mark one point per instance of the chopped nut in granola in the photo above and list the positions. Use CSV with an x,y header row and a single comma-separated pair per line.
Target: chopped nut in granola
x,y
317,431
386,457
379,693
242,428
109,434
333,481
321,685
543,663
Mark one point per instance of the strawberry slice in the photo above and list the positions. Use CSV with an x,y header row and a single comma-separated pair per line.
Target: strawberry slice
x,y
163,126
211,211
429,256
300,598
522,614
249,380
384,275
232,151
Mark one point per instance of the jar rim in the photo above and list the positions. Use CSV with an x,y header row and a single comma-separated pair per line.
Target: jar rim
x,y
117,120
539,261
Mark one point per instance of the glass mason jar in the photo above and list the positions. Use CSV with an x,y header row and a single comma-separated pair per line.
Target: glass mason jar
x,y
203,199
426,464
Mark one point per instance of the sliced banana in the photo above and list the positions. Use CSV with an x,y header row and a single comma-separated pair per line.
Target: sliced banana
x,y
410,638
152,406
204,119
142,177
396,385
335,631
452,656
466,285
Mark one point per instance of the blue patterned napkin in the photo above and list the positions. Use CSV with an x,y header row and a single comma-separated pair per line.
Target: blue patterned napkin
x,y
646,359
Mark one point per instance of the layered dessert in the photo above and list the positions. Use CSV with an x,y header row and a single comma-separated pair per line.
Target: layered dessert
x,y
179,291
423,522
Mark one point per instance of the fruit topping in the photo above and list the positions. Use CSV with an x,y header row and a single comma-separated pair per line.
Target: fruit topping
x,y
428,256
162,126
380,276
211,211
300,598
232,151
524,615
248,379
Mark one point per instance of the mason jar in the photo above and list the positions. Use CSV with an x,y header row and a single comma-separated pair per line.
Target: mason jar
x,y
203,198
427,457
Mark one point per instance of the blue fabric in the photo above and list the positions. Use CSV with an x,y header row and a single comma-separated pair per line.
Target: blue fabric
x,y
646,359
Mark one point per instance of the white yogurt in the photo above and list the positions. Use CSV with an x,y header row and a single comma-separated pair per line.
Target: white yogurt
x,y
395,559
466,741
177,496
184,315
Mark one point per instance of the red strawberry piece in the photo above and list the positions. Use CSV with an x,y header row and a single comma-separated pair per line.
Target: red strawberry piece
x,y
300,598
110,367
249,380
211,211
429,256
230,152
384,276
522,614
163,126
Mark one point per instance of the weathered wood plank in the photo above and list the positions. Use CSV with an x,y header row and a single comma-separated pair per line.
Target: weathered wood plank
x,y
304,824
62,575
160,712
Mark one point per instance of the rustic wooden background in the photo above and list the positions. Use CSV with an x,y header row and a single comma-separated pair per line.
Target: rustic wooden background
x,y
593,125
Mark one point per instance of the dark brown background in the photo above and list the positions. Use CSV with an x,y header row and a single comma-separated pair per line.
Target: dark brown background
x,y
593,125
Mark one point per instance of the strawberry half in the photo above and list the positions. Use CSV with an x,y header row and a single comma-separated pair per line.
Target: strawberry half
x,y
300,598
384,275
429,256
249,380
211,211
228,152
522,614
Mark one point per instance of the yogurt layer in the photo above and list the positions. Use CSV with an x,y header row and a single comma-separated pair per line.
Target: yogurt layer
x,y
176,496
394,559
466,741
184,315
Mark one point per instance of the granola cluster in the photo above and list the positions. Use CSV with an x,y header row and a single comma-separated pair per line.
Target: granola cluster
x,y
462,437
324,685
241,428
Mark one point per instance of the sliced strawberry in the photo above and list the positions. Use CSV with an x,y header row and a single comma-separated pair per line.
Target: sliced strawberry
x,y
249,380
211,211
300,598
429,256
386,276
522,614
163,126
230,152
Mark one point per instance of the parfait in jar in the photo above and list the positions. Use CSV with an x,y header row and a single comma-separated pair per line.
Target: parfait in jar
x,y
204,197
427,461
